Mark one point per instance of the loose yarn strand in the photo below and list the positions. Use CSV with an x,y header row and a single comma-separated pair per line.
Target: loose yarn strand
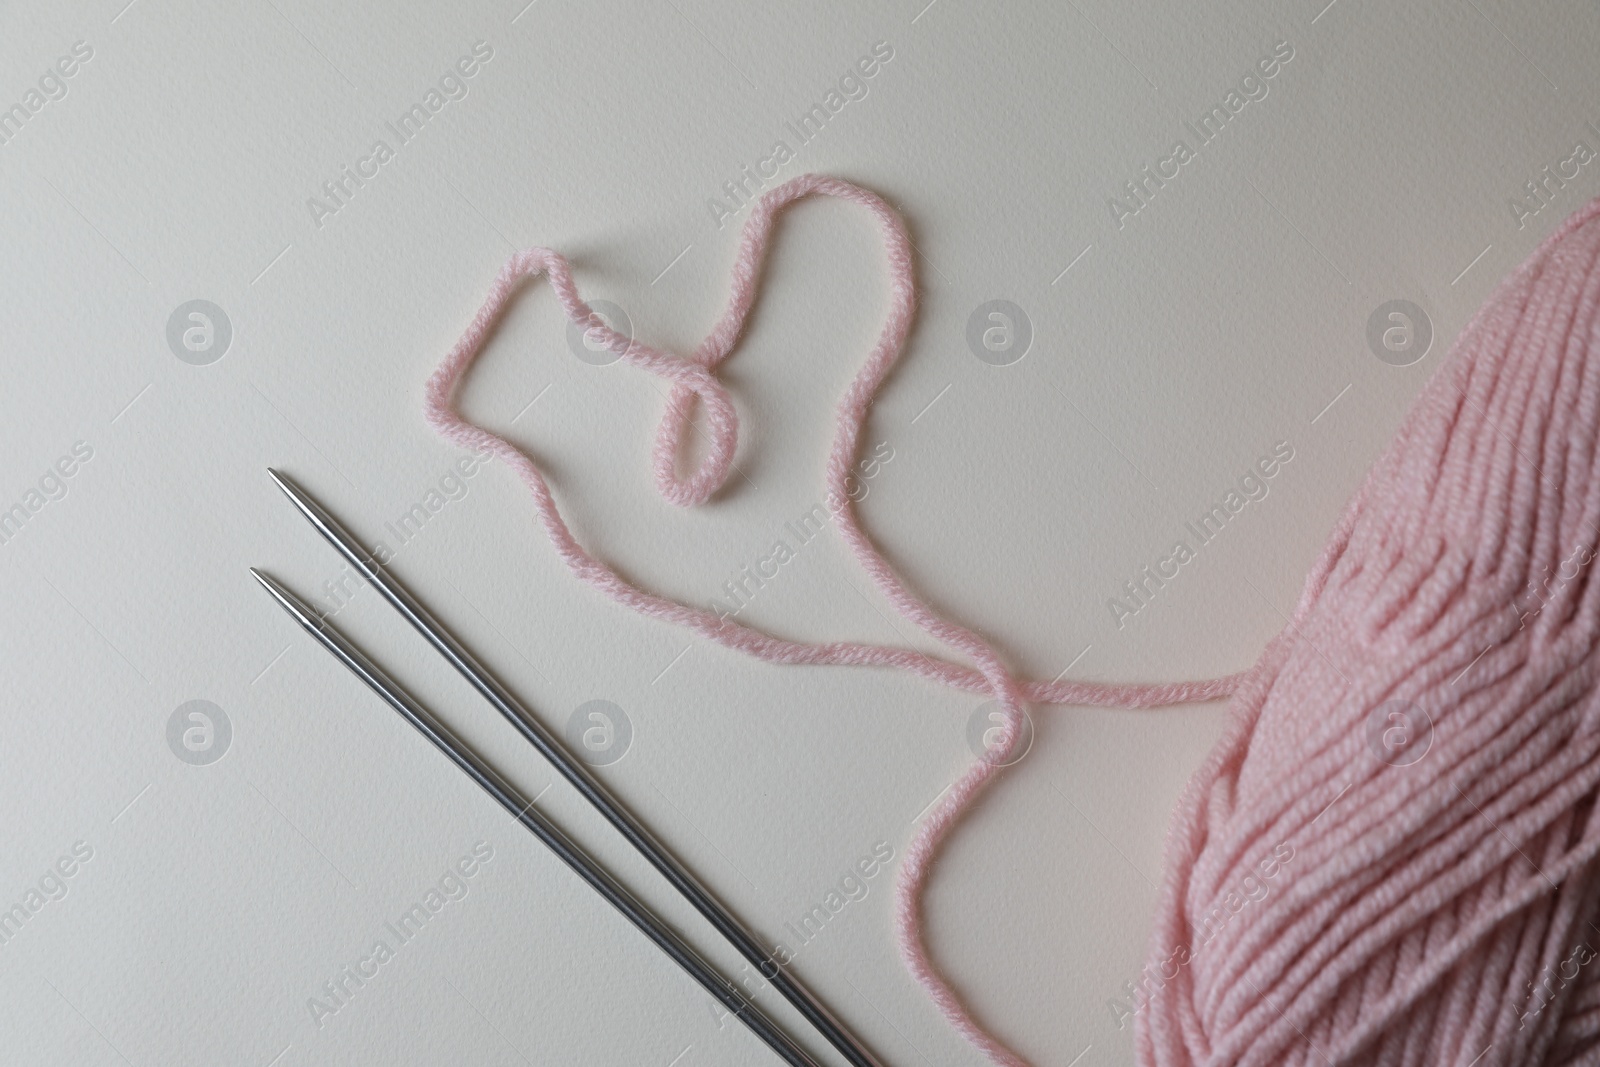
x,y
693,382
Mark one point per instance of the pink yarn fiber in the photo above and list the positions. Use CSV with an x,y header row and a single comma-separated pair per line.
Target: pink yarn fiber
x,y
1438,910
693,380
1324,901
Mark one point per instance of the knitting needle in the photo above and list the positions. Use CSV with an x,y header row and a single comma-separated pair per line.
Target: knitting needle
x,y
585,782
522,810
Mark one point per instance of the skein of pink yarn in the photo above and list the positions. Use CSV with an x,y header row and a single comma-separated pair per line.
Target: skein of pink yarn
x,y
1416,911
1439,906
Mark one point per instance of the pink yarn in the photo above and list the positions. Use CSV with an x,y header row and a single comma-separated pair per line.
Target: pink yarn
x,y
1408,923
1445,911
694,379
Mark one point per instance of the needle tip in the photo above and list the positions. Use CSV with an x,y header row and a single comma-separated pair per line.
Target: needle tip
x,y
266,583
298,496
325,523
291,603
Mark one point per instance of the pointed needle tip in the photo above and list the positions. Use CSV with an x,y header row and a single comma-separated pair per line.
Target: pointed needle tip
x,y
296,495
291,603
267,582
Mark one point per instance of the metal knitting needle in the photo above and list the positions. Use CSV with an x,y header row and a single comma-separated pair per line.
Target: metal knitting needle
x,y
589,786
521,809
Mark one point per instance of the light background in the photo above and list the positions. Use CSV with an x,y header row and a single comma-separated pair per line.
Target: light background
x,y
1168,354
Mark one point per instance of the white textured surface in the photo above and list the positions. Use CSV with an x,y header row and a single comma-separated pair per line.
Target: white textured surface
x,y
1223,317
